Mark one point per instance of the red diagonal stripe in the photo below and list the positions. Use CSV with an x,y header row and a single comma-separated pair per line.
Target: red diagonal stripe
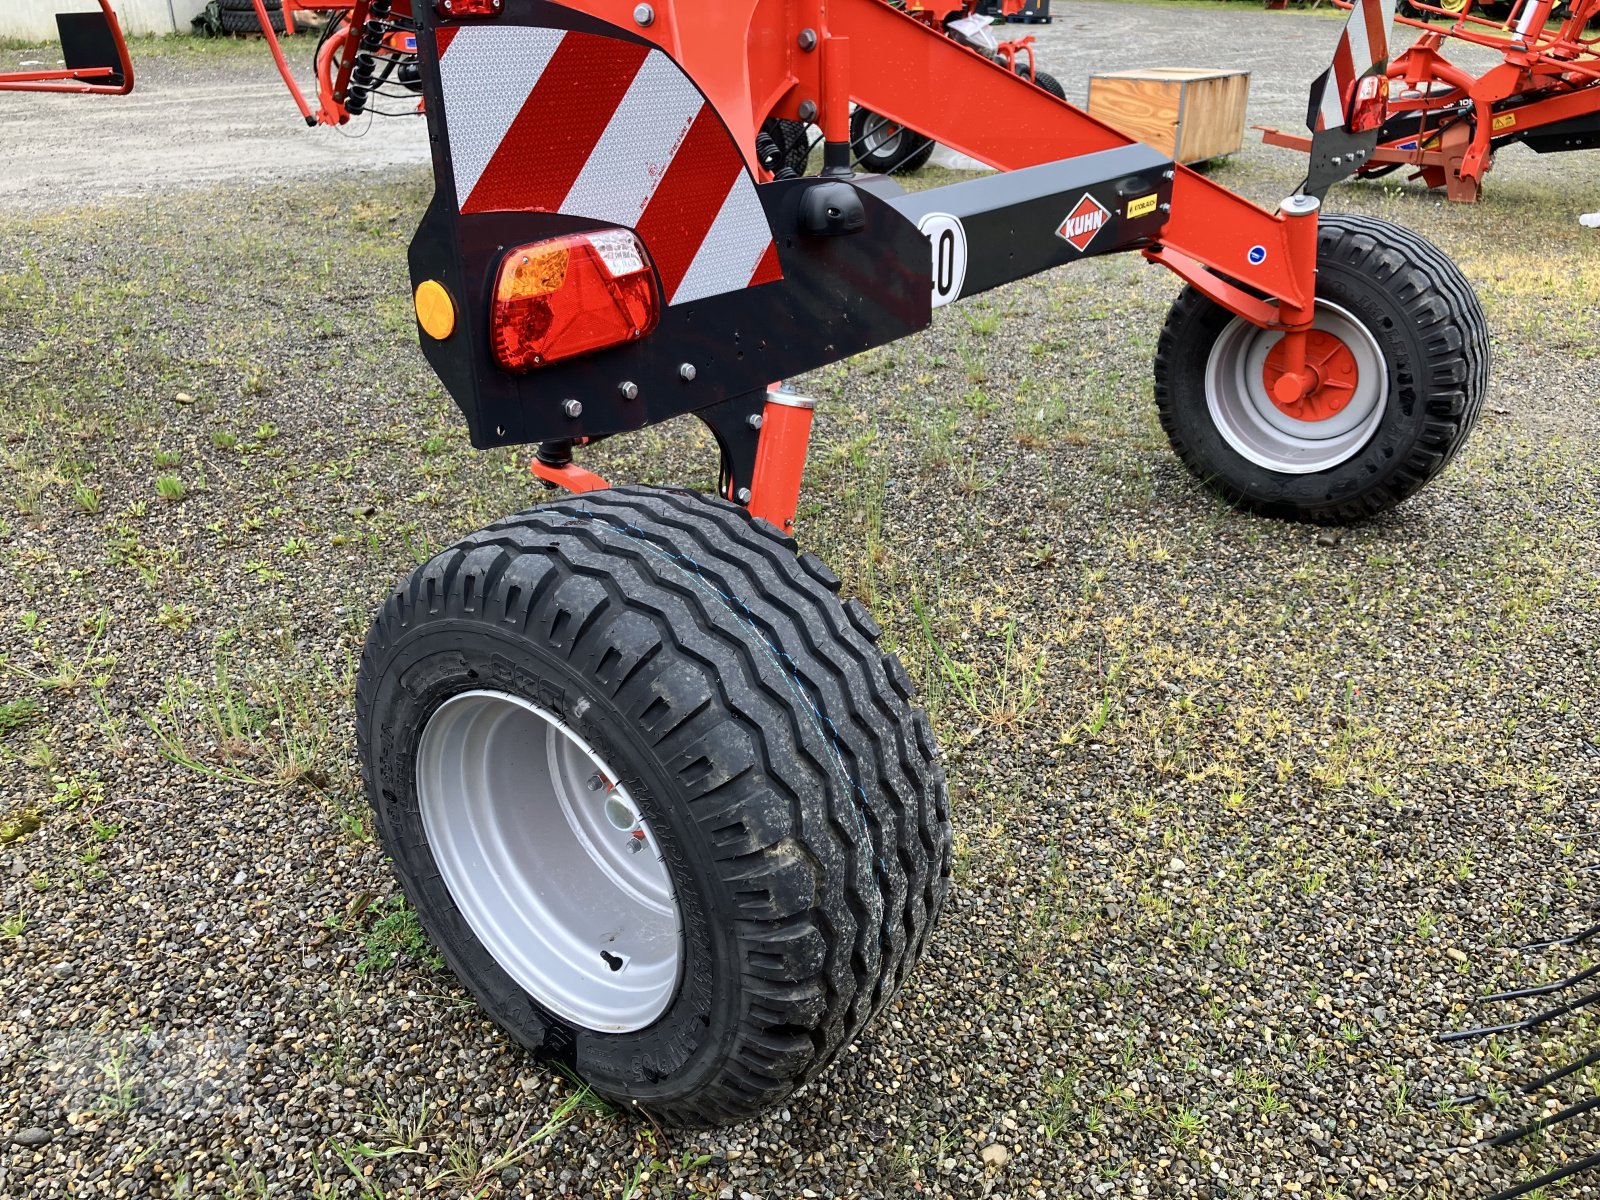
x,y
689,196
444,35
558,126
1377,32
1344,73
767,270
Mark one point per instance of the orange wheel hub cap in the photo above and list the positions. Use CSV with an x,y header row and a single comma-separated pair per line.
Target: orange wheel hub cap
x,y
1334,373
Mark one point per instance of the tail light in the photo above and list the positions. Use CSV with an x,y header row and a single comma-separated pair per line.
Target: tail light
x,y
1369,104
571,295
468,8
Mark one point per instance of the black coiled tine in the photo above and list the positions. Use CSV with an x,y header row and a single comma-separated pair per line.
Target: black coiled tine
x,y
1572,939
1543,1123
1534,1085
1533,1185
1546,988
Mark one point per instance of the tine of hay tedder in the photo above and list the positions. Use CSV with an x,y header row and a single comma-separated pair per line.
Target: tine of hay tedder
x,y
1555,1000
652,788
1447,123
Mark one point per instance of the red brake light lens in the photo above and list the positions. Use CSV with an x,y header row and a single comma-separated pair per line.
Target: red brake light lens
x,y
1369,104
468,8
571,295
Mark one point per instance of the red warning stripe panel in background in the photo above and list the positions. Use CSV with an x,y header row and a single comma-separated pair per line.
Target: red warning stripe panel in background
x,y
545,120
1363,47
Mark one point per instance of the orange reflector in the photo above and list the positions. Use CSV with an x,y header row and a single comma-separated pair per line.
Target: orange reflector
x,y
436,311
571,295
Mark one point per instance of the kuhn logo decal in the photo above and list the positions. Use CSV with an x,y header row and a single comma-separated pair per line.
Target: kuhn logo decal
x,y
1085,220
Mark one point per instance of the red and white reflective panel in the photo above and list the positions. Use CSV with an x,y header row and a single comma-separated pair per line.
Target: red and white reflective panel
x,y
1363,47
546,120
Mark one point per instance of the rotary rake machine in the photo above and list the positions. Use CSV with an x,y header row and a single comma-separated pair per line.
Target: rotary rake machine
x,y
654,791
1447,123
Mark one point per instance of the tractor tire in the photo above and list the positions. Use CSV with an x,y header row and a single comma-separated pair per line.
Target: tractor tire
x,y
653,668
1045,80
246,22
248,6
884,148
1395,316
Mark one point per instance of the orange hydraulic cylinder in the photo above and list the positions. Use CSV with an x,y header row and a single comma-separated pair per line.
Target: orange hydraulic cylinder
x,y
781,458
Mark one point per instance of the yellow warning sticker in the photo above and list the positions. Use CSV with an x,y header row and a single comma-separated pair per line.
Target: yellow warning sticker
x,y
1143,206
1503,121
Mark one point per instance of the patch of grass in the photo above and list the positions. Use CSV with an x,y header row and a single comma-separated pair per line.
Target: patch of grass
x,y
468,1170
393,933
170,488
18,714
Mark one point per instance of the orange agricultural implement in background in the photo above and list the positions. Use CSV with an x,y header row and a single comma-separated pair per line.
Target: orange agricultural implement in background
x,y
1447,123
96,58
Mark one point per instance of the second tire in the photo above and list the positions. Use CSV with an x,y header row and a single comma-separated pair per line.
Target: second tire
x,y
1401,353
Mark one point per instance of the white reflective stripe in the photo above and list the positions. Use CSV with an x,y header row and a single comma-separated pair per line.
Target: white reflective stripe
x,y
732,248
1332,108
487,74
628,162
1356,30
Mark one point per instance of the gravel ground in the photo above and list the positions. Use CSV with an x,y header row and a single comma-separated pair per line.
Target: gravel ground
x,y
1247,813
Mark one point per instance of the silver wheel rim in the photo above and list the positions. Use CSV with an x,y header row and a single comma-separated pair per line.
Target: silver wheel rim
x,y
549,860
873,138
1248,420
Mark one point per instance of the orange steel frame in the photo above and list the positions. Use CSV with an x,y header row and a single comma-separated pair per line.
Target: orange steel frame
x,y
750,59
83,79
746,56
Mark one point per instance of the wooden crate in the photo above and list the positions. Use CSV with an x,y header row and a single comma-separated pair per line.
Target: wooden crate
x,y
1191,113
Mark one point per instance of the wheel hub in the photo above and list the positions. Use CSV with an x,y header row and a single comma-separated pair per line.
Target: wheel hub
x,y
1315,427
1333,374
549,860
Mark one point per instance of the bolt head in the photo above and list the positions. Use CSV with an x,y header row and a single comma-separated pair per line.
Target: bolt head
x,y
644,15
628,390
753,420
808,110
807,40
742,495
573,408
687,372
